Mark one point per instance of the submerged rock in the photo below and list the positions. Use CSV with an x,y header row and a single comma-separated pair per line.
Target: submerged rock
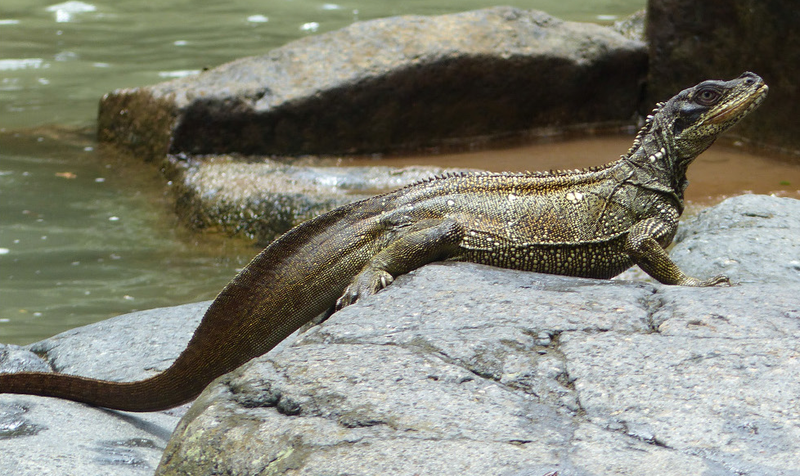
x,y
389,84
465,369
264,199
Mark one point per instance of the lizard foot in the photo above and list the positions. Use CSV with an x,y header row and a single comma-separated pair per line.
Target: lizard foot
x,y
367,283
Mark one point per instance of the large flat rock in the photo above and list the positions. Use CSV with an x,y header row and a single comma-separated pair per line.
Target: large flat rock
x,y
48,436
389,84
466,369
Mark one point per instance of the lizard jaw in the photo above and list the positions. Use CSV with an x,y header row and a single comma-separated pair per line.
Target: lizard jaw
x,y
740,109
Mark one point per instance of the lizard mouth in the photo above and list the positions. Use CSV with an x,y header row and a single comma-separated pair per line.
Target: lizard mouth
x,y
740,109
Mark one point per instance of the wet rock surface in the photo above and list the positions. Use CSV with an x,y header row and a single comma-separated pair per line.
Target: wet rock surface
x,y
400,83
466,369
263,199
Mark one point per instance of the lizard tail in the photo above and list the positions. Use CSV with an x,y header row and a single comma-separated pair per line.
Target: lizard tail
x,y
293,280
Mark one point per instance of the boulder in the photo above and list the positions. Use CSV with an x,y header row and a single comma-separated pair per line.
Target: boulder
x,y
732,238
391,84
459,368
632,26
386,85
263,199
691,41
506,372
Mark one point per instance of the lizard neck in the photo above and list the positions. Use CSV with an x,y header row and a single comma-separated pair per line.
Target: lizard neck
x,y
657,160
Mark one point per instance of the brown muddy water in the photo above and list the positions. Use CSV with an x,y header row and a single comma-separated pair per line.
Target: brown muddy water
x,y
725,170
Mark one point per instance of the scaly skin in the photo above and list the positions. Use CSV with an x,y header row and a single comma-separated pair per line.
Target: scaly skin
x,y
593,223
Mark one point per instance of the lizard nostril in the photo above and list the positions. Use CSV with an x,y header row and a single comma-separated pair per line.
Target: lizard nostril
x,y
749,78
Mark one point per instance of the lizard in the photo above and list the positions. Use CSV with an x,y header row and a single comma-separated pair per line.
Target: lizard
x,y
592,223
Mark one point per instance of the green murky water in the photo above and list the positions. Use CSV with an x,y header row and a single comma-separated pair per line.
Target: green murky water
x,y
83,236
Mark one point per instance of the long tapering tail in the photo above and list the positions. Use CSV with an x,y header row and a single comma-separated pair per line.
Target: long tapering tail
x,y
296,278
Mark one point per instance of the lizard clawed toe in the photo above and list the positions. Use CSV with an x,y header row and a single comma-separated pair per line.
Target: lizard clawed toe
x,y
367,283
718,280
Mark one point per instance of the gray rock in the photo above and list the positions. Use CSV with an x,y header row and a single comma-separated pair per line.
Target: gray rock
x,y
384,85
750,238
41,436
139,344
264,199
633,26
729,400
691,41
466,369
389,84
462,369
47,436
14,358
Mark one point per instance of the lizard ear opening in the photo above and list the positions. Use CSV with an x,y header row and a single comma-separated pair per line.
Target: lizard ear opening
x,y
689,114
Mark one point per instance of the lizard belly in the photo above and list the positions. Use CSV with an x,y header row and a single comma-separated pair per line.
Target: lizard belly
x,y
602,260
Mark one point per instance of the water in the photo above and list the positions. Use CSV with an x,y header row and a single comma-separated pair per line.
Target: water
x,y
724,170
85,235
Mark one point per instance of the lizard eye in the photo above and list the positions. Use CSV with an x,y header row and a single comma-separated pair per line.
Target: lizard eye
x,y
707,97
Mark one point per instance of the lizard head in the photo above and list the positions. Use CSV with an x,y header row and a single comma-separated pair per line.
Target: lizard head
x,y
688,124
696,116
679,130
693,119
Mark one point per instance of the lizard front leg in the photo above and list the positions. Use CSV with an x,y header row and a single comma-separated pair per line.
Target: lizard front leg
x,y
642,245
419,244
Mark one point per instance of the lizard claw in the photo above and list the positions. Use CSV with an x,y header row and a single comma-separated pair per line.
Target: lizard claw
x,y
367,283
719,279
715,281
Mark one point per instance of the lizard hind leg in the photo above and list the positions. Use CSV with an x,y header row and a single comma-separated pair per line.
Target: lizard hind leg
x,y
414,246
